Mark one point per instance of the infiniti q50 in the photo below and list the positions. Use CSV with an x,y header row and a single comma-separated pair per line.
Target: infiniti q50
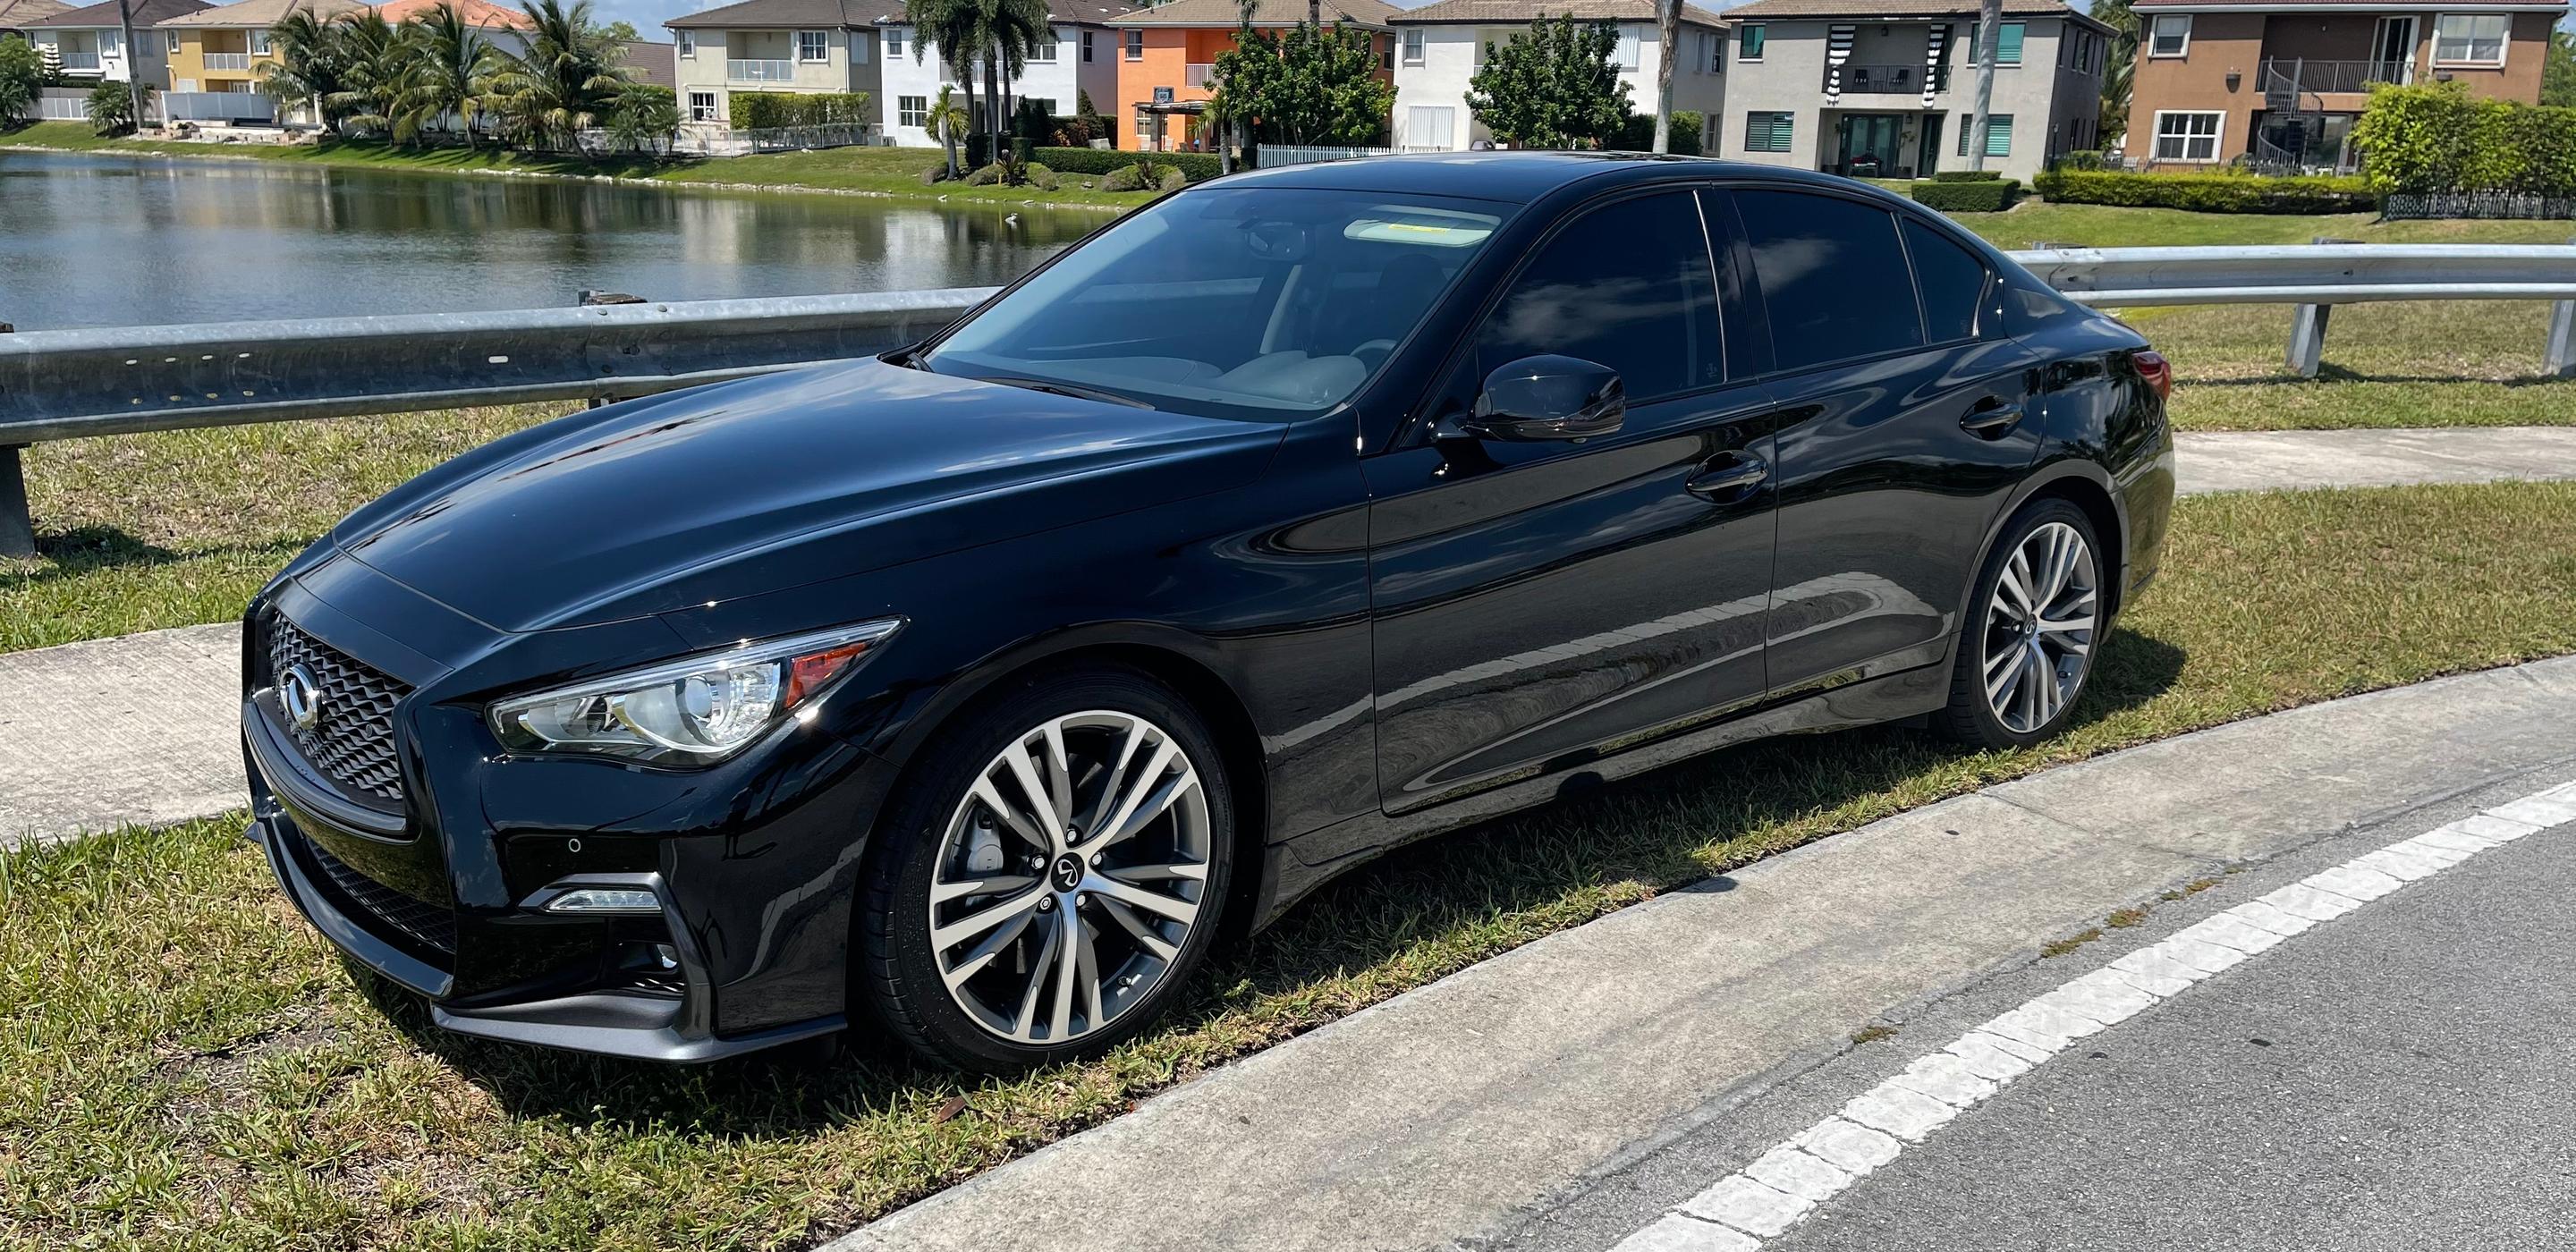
x,y
974,693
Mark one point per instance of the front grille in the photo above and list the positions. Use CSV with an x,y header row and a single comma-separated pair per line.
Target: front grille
x,y
352,736
424,922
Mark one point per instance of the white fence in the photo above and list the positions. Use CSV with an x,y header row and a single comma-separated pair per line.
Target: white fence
x,y
1274,155
704,140
214,106
61,104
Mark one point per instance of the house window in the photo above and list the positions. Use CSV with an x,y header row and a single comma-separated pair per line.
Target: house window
x,y
1413,46
174,41
1086,47
688,44
1768,132
1429,128
1626,57
813,46
2008,38
2187,136
702,106
1748,43
259,43
1044,53
2469,38
912,110
2173,35
1716,42
1998,134
894,41
1046,104
1135,45
111,43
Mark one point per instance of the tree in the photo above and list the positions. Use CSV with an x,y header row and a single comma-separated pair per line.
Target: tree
x,y
564,83
948,123
22,79
1552,86
1989,29
444,75
309,68
645,119
1309,85
136,90
1668,33
111,106
373,59
2558,70
2119,66
624,33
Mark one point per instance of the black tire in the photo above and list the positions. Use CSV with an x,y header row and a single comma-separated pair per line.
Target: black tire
x,y
899,975
1970,717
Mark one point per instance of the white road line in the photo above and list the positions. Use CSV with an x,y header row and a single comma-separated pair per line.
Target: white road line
x,y
1785,1184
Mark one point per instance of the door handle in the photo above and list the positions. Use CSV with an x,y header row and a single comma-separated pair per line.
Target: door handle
x,y
1991,418
1727,475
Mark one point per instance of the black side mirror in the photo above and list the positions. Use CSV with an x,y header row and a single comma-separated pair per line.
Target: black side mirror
x,y
1548,397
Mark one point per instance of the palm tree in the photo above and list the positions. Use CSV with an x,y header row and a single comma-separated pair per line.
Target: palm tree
x,y
956,28
564,83
443,77
373,58
1013,30
309,67
948,121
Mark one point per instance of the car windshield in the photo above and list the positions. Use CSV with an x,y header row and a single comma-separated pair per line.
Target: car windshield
x,y
1258,303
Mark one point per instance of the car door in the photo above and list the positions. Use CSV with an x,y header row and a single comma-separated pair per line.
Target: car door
x,y
1903,426
1535,602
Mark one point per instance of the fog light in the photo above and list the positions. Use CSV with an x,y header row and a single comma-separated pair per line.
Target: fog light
x,y
605,900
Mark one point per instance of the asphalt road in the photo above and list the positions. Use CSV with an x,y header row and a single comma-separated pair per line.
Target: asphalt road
x,y
2402,1078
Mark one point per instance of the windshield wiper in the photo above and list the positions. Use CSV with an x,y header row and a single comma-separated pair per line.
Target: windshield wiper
x,y
1073,390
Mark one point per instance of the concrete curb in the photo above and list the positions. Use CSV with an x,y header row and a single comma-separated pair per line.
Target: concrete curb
x,y
1439,1116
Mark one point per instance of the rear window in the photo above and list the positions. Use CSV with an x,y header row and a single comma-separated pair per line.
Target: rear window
x,y
1952,279
1833,277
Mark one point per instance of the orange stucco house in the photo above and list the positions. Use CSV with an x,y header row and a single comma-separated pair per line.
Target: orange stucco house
x,y
1166,52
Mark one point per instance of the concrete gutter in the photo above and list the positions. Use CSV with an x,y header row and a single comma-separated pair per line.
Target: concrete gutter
x,y
2275,459
1446,1114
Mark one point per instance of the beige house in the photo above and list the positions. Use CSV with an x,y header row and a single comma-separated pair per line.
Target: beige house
x,y
1440,46
792,46
89,43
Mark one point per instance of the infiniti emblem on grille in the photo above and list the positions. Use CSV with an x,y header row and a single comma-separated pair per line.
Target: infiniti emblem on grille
x,y
301,696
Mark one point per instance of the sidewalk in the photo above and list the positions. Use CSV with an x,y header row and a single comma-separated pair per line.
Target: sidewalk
x,y
1453,1114
141,729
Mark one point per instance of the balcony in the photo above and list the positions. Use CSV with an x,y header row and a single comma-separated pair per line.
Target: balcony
x,y
236,61
1890,80
2289,77
1199,73
80,62
760,71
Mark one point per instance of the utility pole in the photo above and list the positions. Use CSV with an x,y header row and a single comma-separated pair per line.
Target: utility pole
x,y
1990,20
1668,31
133,62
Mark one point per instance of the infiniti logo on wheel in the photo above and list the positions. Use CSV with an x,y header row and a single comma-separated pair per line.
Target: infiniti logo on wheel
x,y
301,696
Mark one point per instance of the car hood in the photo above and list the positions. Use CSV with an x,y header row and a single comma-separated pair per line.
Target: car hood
x,y
732,490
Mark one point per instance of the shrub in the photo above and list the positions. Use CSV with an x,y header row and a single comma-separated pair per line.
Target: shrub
x,y
1965,176
985,177
110,109
1145,176
2084,160
1638,134
1040,177
2437,137
771,110
2208,193
1173,179
1985,195
1198,166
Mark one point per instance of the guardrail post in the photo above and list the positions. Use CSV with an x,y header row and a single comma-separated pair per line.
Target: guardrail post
x,y
2308,330
2560,359
17,526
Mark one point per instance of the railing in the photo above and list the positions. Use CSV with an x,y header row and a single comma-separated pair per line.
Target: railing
x,y
77,61
760,71
1274,155
72,384
214,106
2305,76
1869,80
228,61
1199,73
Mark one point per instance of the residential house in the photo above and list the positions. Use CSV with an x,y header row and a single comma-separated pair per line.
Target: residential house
x,y
1079,58
1440,46
800,47
1888,87
1167,56
215,57
2282,81
651,64
16,14
89,43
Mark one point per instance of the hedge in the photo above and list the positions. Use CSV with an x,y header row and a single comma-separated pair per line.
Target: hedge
x,y
2437,137
1198,167
1984,195
1964,176
2208,193
769,110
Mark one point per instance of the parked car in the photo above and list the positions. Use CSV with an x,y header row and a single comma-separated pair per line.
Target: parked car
x,y
976,693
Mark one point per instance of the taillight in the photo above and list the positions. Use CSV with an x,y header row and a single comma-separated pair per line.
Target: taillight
x,y
2155,369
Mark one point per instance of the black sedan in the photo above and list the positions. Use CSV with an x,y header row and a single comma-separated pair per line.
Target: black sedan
x,y
975,693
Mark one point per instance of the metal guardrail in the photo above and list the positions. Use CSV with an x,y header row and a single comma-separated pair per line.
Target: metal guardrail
x,y
70,384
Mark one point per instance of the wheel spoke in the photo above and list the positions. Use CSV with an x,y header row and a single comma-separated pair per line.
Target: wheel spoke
x,y
945,937
1123,819
1074,954
1109,791
984,953
2016,582
1059,776
1025,1025
943,892
1041,804
1152,873
2003,671
1163,949
1173,907
984,790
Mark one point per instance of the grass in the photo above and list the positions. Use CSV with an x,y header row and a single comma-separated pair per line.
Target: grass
x,y
877,171
182,1061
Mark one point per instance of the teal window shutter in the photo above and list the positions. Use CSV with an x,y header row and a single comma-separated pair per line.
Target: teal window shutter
x,y
1999,134
2008,43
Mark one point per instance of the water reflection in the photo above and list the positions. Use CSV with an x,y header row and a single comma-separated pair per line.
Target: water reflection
x,y
108,241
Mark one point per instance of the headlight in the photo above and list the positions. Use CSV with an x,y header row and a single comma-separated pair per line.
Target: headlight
x,y
693,711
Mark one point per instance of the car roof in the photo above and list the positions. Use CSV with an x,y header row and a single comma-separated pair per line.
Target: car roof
x,y
1515,177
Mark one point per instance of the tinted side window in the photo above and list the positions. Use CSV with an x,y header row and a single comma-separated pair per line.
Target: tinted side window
x,y
1627,286
1953,282
1833,277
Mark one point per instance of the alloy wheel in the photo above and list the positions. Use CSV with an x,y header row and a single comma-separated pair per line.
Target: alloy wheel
x,y
2039,630
1069,877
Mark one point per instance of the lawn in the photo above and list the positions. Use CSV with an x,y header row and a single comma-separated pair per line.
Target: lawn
x,y
183,1062
881,171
